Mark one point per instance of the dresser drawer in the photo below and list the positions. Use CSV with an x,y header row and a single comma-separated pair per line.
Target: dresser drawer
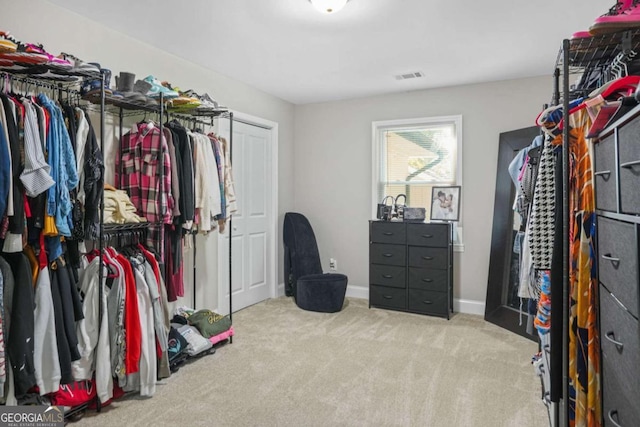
x,y
428,279
618,260
387,254
428,302
387,275
605,174
619,408
629,155
428,257
434,235
618,326
388,297
388,232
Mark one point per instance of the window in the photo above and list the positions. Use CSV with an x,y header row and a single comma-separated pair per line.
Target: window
x,y
413,156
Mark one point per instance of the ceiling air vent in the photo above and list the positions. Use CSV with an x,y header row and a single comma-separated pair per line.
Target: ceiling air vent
x,y
415,75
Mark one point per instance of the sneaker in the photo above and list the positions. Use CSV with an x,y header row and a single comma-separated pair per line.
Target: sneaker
x,y
622,16
143,87
51,60
78,65
579,35
157,89
183,102
7,42
21,55
208,104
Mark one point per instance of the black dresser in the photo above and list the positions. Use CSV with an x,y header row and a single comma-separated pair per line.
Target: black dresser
x,y
411,267
617,188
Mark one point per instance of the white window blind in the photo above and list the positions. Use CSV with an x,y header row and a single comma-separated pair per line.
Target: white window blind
x,y
416,155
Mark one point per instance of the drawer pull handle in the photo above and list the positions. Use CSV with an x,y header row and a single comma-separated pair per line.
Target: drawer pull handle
x,y
602,173
428,258
427,236
611,413
608,257
387,276
427,302
427,280
611,337
629,165
387,297
387,255
388,233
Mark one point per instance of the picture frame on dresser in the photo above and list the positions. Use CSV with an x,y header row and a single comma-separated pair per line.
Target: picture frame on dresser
x,y
445,203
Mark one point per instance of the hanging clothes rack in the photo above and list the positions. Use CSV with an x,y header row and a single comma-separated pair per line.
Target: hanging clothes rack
x,y
125,109
67,83
604,56
195,120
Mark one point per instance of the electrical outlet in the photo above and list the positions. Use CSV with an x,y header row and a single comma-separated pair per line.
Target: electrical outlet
x,y
333,264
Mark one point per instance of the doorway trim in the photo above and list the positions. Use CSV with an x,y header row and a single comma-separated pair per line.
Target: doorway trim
x,y
272,258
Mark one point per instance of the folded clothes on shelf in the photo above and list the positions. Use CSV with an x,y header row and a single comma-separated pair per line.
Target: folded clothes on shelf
x,y
118,208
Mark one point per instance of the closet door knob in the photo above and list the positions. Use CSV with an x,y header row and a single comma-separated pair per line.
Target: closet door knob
x,y
629,165
611,337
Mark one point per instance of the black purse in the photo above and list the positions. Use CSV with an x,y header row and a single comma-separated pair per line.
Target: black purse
x,y
385,211
400,207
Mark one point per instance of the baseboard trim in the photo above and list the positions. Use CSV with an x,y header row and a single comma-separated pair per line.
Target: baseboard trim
x,y
468,306
361,292
459,305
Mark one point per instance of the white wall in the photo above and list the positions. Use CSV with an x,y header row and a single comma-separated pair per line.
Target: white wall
x,y
332,169
39,21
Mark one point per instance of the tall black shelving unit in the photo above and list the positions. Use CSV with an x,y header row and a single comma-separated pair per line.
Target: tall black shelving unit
x,y
578,57
201,119
67,82
124,108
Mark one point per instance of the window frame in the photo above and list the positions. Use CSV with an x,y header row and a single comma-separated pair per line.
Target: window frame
x,y
377,130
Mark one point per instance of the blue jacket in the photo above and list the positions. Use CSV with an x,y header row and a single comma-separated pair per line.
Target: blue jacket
x,y
63,168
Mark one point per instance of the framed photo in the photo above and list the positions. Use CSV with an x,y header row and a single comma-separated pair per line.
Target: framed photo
x,y
445,203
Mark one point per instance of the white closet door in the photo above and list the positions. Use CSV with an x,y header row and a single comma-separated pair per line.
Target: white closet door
x,y
252,235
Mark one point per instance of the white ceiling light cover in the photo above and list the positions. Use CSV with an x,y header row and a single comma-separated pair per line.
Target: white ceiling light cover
x,y
328,6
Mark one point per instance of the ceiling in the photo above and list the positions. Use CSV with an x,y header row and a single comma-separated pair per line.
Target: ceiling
x,y
288,49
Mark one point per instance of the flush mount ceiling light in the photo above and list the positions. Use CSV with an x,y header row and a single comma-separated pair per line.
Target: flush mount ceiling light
x,y
328,6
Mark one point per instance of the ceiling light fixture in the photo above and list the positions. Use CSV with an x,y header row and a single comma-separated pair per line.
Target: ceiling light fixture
x,y
328,6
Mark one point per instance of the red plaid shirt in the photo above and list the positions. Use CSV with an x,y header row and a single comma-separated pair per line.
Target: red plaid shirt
x,y
140,152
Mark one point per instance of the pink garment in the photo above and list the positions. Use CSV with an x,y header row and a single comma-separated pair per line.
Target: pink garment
x,y
222,336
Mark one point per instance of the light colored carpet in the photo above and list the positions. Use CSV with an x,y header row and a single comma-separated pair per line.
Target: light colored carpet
x,y
359,367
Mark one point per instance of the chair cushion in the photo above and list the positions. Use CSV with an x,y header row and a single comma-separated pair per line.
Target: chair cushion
x,y
321,292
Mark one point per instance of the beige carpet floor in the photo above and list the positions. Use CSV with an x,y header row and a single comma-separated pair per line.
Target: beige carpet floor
x,y
359,367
